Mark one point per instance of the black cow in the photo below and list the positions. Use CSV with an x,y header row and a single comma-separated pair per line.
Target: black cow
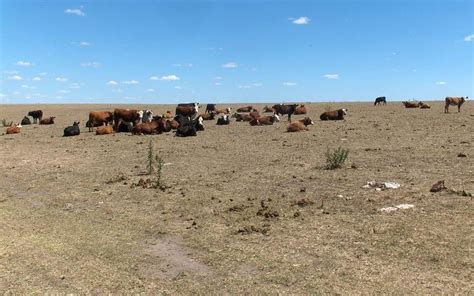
x,y
380,100
37,114
210,108
281,109
223,120
186,127
73,130
25,121
125,127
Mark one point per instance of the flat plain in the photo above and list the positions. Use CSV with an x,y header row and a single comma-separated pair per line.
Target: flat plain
x,y
244,210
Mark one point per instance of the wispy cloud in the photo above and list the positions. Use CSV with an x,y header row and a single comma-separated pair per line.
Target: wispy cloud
x,y
302,20
91,64
24,64
441,82
130,82
166,78
61,79
15,77
150,90
288,83
251,85
213,48
64,91
24,86
183,65
2,95
74,86
230,65
469,38
112,82
36,79
75,11
43,73
178,87
331,76
217,83
218,78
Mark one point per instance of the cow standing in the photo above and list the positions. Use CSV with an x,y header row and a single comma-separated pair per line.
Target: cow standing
x,y
454,101
190,109
98,118
282,109
380,100
37,115
127,115
210,108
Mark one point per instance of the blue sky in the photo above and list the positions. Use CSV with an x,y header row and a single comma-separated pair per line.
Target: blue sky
x,y
234,51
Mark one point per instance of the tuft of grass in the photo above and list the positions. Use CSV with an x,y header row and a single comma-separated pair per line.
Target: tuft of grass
x,y
154,165
149,158
336,158
6,123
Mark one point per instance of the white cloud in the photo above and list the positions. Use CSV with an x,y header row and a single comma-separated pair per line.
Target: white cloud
x,y
63,91
90,64
61,79
230,65
166,78
75,11
10,72
154,78
178,87
288,83
218,78
150,90
118,90
217,83
251,85
112,82
43,73
36,79
16,93
24,63
24,86
441,83
183,65
469,38
303,20
2,95
74,86
130,82
59,97
15,77
331,76
85,43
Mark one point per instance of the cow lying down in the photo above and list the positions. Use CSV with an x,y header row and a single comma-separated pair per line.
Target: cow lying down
x,y
300,125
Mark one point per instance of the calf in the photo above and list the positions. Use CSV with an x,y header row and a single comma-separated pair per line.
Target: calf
x,y
245,109
264,120
300,110
411,104
25,121
104,130
380,100
300,125
454,101
37,114
14,129
334,115
281,109
49,120
127,115
73,130
223,120
98,118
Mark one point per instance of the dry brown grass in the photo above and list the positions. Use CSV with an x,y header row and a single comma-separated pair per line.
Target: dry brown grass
x,y
232,219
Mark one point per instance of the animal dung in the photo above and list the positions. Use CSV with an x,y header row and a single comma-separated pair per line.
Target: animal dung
x,y
438,186
396,208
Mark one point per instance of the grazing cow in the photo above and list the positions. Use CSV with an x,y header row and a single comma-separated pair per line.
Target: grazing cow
x,y
424,106
14,129
147,116
25,121
380,100
186,126
73,130
210,108
127,115
411,104
264,120
208,116
300,125
168,115
98,118
454,101
282,109
223,120
49,120
245,109
242,117
268,109
334,115
190,109
300,110
37,114
104,130
125,127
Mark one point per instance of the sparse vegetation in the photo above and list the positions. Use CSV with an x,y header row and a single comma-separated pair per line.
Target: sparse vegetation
x,y
154,164
6,123
336,158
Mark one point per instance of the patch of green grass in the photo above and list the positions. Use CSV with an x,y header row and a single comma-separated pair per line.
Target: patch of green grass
x,y
336,158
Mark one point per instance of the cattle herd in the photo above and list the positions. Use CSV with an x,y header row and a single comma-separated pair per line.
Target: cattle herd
x,y
187,120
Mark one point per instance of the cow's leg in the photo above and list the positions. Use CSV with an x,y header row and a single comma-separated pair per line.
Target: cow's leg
x,y
459,108
289,117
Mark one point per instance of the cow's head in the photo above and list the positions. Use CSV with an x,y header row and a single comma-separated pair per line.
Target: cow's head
x,y
76,123
344,111
276,118
227,110
140,114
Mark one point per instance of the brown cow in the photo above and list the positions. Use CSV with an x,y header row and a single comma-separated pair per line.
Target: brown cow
x,y
300,110
209,116
127,115
454,101
174,124
424,106
98,118
245,109
411,104
157,126
223,111
264,120
14,129
104,130
190,109
300,125
47,120
242,117
267,109
334,115
168,115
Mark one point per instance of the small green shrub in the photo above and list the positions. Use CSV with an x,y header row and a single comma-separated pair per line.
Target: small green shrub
x,y
154,164
336,158
6,123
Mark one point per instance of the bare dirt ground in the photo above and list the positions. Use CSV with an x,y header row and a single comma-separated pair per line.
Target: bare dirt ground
x,y
229,220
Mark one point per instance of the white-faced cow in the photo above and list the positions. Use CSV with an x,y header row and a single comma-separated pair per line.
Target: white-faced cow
x,y
127,115
334,115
